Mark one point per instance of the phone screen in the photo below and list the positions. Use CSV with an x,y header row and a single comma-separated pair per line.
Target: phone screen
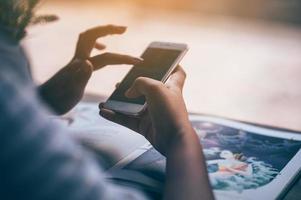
x,y
156,64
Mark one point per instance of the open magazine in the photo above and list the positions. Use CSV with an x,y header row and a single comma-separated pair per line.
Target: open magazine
x,y
243,161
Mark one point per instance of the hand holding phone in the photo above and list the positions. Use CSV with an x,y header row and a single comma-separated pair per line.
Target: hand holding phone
x,y
160,59
166,116
166,126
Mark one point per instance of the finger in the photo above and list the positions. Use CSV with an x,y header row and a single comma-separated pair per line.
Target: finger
x,y
117,85
99,46
100,106
145,125
177,79
143,86
101,31
113,59
88,38
124,120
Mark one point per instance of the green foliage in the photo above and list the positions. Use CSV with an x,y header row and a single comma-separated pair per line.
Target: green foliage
x,y
16,15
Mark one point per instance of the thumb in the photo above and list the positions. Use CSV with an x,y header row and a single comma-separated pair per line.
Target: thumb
x,y
143,86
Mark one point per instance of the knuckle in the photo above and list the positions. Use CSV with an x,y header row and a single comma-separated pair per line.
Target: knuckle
x,y
148,84
87,63
126,57
82,34
184,73
77,62
106,55
110,26
140,80
155,86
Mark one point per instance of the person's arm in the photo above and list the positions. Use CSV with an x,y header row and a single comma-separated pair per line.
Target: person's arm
x,y
65,89
167,127
186,169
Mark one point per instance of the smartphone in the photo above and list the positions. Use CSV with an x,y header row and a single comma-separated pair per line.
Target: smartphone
x,y
160,60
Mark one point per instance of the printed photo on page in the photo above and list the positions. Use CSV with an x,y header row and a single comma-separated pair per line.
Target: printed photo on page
x,y
243,161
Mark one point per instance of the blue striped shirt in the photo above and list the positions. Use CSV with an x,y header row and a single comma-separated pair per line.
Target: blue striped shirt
x,y
38,160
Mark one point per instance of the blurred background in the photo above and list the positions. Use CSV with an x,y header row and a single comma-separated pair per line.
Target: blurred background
x,y
244,60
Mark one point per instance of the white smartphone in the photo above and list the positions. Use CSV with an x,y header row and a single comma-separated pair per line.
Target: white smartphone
x,y
160,60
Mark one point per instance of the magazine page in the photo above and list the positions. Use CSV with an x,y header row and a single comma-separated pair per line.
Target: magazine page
x,y
243,161
85,124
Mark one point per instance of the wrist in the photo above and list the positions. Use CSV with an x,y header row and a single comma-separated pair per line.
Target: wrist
x,y
78,71
77,64
185,138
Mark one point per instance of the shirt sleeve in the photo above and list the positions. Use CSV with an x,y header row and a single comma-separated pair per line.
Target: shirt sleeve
x,y
38,160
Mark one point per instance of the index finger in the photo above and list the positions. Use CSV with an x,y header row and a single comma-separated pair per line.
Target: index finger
x,y
113,59
88,38
101,31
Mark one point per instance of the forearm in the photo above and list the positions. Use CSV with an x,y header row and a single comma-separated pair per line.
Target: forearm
x,y
65,88
186,176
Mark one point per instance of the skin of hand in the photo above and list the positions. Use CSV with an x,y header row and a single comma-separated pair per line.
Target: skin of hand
x,y
166,115
166,125
65,89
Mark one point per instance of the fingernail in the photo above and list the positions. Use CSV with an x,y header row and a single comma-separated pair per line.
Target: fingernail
x,y
121,28
138,60
104,114
100,106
